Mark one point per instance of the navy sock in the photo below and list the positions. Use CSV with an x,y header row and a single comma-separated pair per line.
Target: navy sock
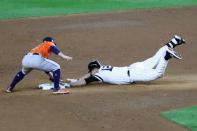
x,y
19,76
170,44
174,42
56,77
167,56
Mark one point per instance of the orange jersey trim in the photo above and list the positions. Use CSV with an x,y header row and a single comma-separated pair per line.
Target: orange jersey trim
x,y
43,49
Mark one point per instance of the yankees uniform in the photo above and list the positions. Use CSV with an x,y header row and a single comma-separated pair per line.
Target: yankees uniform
x,y
148,70
37,59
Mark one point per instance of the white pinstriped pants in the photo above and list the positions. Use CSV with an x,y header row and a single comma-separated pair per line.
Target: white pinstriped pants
x,y
150,69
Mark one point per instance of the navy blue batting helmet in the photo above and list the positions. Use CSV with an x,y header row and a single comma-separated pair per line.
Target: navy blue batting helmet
x,y
94,64
50,39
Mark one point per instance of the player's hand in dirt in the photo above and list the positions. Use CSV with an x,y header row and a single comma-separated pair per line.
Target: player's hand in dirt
x,y
71,80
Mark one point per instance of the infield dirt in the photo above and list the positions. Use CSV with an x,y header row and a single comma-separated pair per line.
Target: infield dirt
x,y
118,39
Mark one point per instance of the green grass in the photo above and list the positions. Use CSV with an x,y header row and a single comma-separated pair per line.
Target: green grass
x,y
29,8
186,117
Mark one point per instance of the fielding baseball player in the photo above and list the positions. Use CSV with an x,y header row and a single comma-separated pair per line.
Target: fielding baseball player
x,y
37,59
148,70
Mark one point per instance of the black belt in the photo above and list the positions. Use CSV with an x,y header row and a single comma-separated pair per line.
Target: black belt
x,y
128,73
36,54
32,53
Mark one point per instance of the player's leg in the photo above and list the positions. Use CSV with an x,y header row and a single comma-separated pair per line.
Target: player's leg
x,y
144,71
162,65
50,74
19,76
145,74
43,64
51,66
153,61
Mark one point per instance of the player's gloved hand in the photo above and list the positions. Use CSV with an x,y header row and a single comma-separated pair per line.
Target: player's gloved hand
x,y
69,58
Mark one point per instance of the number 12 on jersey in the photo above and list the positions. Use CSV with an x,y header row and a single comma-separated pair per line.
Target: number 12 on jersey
x,y
107,67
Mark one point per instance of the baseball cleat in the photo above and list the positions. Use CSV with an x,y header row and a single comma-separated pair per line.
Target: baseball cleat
x,y
179,40
174,53
176,40
8,90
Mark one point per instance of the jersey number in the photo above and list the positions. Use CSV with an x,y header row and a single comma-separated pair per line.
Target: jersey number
x,y
107,67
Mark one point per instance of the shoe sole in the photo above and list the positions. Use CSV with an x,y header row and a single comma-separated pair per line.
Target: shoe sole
x,y
174,54
180,38
8,91
57,92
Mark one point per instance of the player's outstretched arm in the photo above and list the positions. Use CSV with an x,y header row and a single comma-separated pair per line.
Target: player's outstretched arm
x,y
56,51
89,78
79,82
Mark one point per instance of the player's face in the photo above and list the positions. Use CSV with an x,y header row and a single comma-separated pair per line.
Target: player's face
x,y
94,71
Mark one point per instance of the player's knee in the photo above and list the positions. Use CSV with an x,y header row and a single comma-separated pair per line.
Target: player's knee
x,y
57,67
25,71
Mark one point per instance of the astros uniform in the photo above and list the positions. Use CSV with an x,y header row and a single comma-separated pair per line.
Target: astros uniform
x,y
37,58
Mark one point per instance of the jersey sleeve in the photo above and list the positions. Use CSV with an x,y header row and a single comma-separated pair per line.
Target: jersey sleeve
x,y
55,50
93,78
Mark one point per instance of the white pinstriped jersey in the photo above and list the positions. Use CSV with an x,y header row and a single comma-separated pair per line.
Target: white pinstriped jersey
x,y
113,75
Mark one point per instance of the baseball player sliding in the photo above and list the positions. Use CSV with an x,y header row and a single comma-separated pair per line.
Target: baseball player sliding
x,y
148,70
37,59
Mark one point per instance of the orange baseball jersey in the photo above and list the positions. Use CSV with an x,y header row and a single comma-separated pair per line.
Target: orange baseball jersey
x,y
43,49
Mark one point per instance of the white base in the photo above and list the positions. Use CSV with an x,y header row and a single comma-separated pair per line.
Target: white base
x,y
49,86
